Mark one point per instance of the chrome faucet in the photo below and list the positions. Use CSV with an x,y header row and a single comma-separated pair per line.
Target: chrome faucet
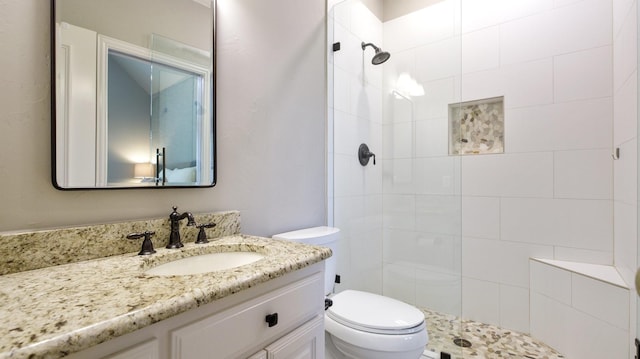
x,y
175,218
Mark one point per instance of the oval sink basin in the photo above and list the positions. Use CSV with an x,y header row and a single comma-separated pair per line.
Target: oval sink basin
x,y
206,263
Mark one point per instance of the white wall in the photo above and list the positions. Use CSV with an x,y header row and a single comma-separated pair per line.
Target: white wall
x,y
270,124
549,195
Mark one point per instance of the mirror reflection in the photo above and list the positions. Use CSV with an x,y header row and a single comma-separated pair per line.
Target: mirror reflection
x,y
133,97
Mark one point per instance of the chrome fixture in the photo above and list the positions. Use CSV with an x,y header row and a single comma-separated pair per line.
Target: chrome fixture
x,y
175,218
380,56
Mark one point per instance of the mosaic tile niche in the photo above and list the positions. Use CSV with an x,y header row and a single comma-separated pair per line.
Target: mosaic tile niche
x,y
476,127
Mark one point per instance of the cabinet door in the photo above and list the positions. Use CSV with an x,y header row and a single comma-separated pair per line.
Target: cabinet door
x,y
146,350
259,355
235,331
306,342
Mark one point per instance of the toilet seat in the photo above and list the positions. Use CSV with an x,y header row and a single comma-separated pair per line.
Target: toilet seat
x,y
374,313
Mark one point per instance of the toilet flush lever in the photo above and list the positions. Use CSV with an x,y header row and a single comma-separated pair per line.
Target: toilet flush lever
x,y
364,154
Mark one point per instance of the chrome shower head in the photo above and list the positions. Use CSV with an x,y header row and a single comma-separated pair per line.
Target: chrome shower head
x,y
380,56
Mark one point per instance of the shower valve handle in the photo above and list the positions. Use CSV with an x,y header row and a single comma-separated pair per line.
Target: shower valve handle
x,y
364,154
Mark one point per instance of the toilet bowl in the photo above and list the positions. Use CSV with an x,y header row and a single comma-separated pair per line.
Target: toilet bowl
x,y
359,324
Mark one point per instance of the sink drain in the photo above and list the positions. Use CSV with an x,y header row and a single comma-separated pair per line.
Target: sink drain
x,y
462,342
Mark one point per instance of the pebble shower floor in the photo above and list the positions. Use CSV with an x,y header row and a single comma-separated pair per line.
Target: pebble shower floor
x,y
487,341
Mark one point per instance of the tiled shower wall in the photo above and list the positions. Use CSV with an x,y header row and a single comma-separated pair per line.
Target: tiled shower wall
x,y
625,94
356,110
458,231
549,195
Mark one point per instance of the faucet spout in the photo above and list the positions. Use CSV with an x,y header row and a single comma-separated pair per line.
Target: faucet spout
x,y
175,218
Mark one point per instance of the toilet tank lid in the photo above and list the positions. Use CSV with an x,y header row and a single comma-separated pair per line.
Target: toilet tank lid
x,y
303,235
371,311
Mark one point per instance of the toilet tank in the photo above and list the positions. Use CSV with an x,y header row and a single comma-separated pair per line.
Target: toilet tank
x,y
318,236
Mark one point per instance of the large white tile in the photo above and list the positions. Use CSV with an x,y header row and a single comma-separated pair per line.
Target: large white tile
x,y
399,282
369,242
591,338
621,9
365,101
553,127
526,39
436,175
514,308
481,301
432,137
625,111
625,173
400,246
528,84
349,212
398,176
480,14
550,321
345,133
438,60
481,217
593,117
603,257
626,240
397,141
435,103
439,291
625,50
480,85
350,57
583,75
399,211
551,282
514,261
583,174
431,24
365,24
438,252
438,214
350,179
580,26
404,62
481,50
522,84
526,175
341,87
583,224
481,259
604,301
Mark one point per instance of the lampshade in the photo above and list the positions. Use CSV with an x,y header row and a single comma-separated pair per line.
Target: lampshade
x,y
143,170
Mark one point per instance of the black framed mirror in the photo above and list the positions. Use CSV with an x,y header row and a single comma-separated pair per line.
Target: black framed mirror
x,y
133,93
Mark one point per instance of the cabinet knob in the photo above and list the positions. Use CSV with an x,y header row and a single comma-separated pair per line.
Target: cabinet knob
x,y
271,319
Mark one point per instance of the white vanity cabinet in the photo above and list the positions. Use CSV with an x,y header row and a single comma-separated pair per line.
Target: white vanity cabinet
x,y
227,333
279,319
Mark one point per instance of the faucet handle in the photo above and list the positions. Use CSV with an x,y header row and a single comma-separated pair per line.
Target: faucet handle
x,y
202,235
147,245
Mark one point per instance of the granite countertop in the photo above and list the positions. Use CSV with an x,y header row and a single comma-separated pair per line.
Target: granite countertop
x,y
52,312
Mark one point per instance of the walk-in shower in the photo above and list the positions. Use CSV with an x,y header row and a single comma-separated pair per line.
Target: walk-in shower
x,y
493,146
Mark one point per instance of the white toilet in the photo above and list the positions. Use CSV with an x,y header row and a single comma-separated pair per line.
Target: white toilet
x,y
359,324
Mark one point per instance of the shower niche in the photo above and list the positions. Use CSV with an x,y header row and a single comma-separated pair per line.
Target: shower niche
x,y
476,127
